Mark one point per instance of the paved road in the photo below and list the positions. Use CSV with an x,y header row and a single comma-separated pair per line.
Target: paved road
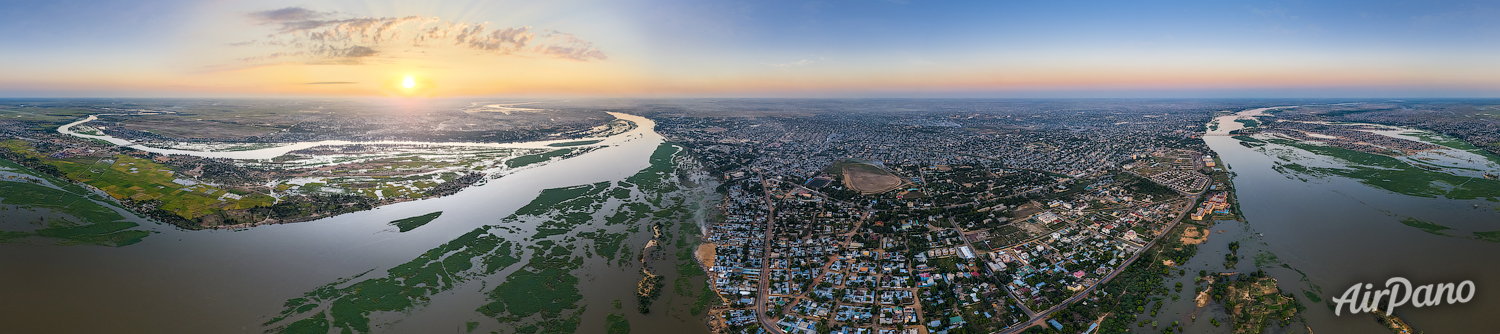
x,y
998,284
1040,319
764,294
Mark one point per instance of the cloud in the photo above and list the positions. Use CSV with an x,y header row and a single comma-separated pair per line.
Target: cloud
x,y
356,52
325,38
292,18
289,14
331,83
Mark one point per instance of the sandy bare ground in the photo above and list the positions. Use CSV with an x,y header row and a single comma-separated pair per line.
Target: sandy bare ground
x,y
706,252
1193,236
870,179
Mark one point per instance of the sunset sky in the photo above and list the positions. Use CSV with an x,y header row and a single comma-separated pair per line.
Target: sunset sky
x,y
710,48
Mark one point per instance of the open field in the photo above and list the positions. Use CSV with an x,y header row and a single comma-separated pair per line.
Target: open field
x,y
78,217
129,178
867,178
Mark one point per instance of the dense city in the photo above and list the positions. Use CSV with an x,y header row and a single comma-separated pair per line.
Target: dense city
x,y
917,224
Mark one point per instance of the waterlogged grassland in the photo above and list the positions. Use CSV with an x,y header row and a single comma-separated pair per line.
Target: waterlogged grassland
x,y
1392,174
412,223
86,221
606,244
1454,143
616,324
530,262
473,255
129,178
545,286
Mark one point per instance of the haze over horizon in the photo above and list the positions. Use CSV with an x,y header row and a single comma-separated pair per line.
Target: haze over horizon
x,y
672,48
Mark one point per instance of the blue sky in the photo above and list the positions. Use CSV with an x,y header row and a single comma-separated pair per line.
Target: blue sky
x,y
765,48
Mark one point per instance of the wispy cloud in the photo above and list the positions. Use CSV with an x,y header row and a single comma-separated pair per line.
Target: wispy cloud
x,y
318,37
331,83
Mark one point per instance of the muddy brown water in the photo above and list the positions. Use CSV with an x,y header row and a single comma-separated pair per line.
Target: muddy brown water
x,y
1340,232
232,281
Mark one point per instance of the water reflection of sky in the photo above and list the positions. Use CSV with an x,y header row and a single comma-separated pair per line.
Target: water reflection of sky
x,y
1453,161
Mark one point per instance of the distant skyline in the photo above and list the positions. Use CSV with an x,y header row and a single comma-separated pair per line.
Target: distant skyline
x,y
680,48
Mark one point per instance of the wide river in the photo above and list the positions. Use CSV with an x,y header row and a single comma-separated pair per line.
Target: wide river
x,y
1340,232
272,152
180,281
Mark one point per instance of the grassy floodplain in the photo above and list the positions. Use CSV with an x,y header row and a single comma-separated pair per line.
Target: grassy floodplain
x,y
347,307
88,220
126,177
532,275
1392,174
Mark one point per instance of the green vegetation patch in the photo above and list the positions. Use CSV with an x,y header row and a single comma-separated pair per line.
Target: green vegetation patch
x,y
1393,175
555,197
608,244
1454,143
99,225
39,196
1491,236
707,299
543,286
129,178
1248,122
49,118
537,295
575,143
317,324
1266,259
1245,138
1425,226
616,323
661,166
523,161
404,287
413,223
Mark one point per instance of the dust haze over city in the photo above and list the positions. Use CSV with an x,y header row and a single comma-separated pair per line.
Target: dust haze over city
x,y
782,167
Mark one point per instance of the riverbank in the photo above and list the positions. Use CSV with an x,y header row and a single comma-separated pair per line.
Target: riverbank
x,y
285,183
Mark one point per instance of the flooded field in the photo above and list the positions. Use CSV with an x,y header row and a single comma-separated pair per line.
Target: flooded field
x,y
509,254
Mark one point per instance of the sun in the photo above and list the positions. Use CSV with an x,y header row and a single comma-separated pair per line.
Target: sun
x,y
409,82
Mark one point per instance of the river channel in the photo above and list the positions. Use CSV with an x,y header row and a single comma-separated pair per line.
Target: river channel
x,y
178,281
1340,232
